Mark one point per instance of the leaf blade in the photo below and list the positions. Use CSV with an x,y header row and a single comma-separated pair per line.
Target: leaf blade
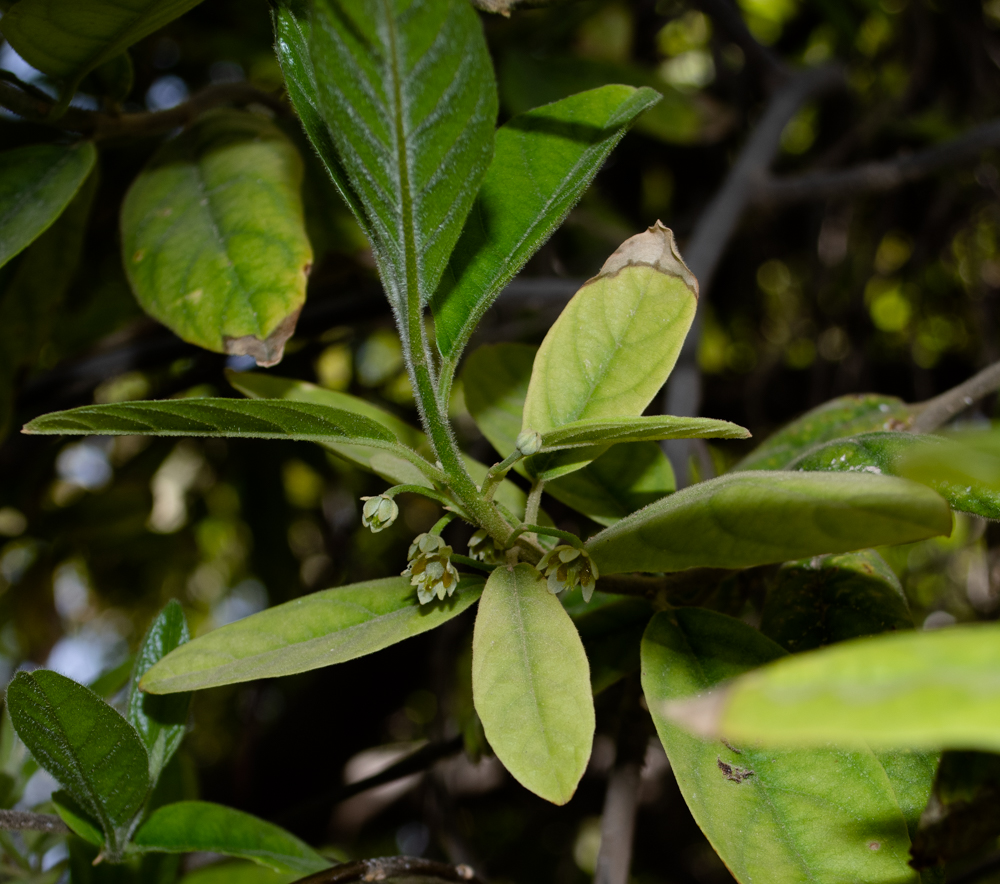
x,y
649,428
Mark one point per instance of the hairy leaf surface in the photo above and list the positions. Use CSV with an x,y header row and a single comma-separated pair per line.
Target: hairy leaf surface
x,y
744,519
36,184
543,160
594,431
213,236
531,683
821,815
316,630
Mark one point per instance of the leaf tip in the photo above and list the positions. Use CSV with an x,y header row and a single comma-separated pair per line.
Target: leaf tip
x,y
655,248
266,352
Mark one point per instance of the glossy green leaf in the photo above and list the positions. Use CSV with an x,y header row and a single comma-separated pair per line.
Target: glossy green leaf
x,y
651,428
408,97
65,38
616,342
887,452
527,81
316,630
37,182
827,599
213,236
188,826
531,683
85,744
744,519
918,690
160,721
783,817
543,160
844,416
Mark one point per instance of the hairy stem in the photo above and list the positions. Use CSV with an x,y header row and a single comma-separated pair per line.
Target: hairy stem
x,y
534,502
24,821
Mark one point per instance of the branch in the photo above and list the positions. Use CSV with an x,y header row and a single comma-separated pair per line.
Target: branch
x,y
936,412
97,125
23,821
392,867
879,176
728,19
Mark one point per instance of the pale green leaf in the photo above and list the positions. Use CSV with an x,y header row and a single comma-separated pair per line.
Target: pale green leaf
x,y
917,690
190,826
593,431
531,683
744,519
37,182
160,721
543,160
86,745
213,235
316,630
822,815
77,818
66,38
964,465
407,93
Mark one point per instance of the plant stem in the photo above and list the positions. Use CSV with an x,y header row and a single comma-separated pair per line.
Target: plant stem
x,y
527,528
393,868
534,501
497,473
936,412
24,821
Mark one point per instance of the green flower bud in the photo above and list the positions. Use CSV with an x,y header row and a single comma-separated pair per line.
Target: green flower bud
x,y
430,569
567,567
378,512
528,443
483,548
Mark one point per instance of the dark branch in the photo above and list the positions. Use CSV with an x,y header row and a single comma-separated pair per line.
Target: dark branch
x,y
394,867
727,19
23,821
879,176
936,412
37,108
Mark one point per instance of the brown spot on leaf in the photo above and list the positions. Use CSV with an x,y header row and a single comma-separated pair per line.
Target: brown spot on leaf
x,y
269,351
731,748
733,773
874,845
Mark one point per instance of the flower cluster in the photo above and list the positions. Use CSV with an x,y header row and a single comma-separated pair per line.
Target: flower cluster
x,y
430,569
567,567
483,548
378,512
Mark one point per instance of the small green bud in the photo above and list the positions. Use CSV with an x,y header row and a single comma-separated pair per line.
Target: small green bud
x,y
528,443
483,548
378,512
567,567
430,569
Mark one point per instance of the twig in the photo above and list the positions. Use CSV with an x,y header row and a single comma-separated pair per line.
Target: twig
x,y
727,18
936,412
394,867
25,821
879,176
98,125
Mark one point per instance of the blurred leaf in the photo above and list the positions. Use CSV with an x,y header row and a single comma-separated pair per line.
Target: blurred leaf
x,y
189,826
886,452
317,630
821,815
409,101
964,466
527,82
827,599
592,431
543,161
744,519
238,873
213,236
844,416
611,635
65,39
77,818
36,184
531,683
918,690
86,745
160,721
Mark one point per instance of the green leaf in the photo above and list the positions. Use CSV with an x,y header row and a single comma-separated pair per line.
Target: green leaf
x,y
316,630
531,683
77,818
827,599
917,690
188,826
887,452
238,873
408,97
495,383
65,39
37,182
783,817
616,342
543,160
213,236
591,431
160,721
744,519
86,745
844,416
611,634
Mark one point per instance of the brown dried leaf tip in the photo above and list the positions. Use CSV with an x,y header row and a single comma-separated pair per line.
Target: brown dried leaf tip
x,y
655,248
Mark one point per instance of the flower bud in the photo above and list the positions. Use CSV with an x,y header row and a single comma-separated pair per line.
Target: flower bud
x,y
528,443
430,569
567,567
483,549
378,512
